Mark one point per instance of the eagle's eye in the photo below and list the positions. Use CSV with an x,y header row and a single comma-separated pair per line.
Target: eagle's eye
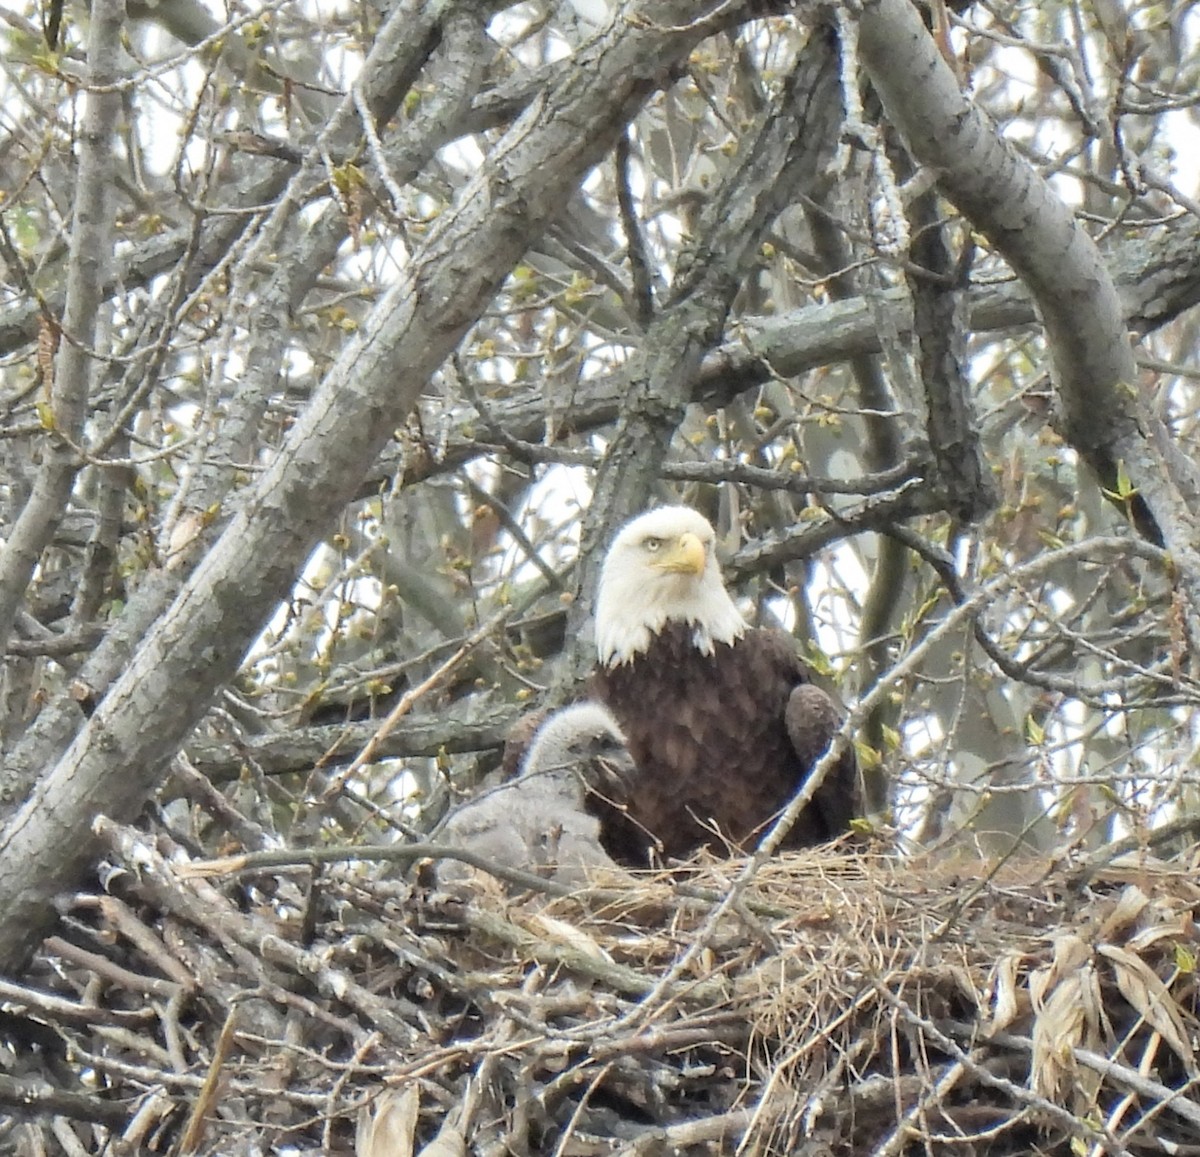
x,y
652,544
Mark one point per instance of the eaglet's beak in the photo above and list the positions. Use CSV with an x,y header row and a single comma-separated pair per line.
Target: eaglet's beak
x,y
685,556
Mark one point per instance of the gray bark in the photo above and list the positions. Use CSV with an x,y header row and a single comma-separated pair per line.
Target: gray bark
x,y
786,160
1158,279
77,365
1100,413
117,758
299,256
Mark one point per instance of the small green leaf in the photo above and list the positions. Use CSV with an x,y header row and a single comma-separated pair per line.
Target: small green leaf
x,y
579,288
46,60
347,178
1125,489
868,757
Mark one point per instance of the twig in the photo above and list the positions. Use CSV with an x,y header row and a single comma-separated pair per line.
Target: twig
x,y
395,853
683,894
902,1135
192,1135
103,967
1174,1099
23,1000
617,976
721,1127
1021,1095
635,242
573,1124
145,1075
123,920
1139,841
1177,1100
39,1101
369,1045
516,532
337,783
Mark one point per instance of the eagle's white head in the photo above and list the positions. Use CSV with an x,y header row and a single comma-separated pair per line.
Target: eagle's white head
x,y
662,567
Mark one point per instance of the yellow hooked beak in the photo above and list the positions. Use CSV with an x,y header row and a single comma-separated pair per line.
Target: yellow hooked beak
x,y
686,556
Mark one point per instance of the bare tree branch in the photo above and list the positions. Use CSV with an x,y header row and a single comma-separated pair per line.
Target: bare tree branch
x,y
787,158
117,757
298,256
1039,236
77,366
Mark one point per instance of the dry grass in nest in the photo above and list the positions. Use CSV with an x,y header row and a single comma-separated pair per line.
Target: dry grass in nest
x,y
831,1002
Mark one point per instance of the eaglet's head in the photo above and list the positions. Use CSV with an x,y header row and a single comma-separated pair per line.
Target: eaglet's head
x,y
662,567
577,733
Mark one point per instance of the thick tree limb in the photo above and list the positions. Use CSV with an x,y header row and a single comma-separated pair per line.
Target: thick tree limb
x,y
117,757
299,749
1158,277
75,367
1100,413
883,449
787,158
963,474
1022,216
297,256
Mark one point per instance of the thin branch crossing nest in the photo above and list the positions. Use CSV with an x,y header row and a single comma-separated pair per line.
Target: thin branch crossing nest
x,y
829,1002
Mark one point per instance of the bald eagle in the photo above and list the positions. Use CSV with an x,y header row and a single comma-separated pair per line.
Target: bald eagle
x,y
722,720
540,821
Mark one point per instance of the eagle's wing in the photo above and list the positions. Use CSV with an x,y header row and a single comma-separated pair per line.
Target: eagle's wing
x,y
813,718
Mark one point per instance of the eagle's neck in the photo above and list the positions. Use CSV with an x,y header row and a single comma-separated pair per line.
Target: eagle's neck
x,y
625,631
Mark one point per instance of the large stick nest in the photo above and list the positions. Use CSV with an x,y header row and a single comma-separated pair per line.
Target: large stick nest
x,y
828,1002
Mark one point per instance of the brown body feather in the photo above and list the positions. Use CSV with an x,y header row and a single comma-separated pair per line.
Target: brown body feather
x,y
721,741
